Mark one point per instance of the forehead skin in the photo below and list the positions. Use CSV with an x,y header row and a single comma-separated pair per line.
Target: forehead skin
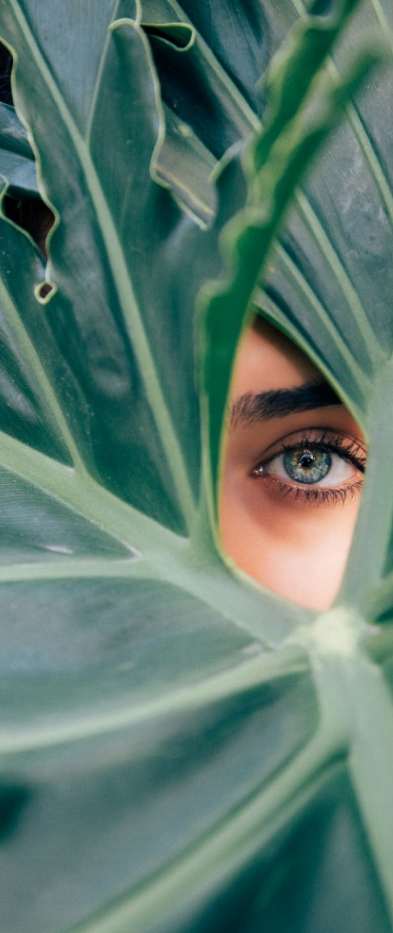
x,y
267,361
283,364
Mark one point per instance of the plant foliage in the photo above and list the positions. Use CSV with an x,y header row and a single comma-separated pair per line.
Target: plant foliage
x,y
182,751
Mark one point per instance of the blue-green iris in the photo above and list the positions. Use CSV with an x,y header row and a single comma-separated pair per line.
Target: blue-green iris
x,y
304,465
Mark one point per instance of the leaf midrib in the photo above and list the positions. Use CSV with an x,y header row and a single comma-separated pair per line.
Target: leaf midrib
x,y
213,688
83,495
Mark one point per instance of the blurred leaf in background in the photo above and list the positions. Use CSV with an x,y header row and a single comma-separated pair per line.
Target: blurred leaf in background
x,y
181,750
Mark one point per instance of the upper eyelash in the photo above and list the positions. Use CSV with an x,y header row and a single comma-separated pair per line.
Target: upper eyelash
x,y
351,451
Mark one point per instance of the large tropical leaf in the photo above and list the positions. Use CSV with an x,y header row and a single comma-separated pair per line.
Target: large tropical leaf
x,y
180,750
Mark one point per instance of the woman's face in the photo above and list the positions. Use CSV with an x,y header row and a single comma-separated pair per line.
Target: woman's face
x,y
293,469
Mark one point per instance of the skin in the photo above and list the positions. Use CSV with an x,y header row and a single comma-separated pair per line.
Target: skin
x,y
292,536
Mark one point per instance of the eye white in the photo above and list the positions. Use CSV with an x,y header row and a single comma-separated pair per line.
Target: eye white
x,y
341,471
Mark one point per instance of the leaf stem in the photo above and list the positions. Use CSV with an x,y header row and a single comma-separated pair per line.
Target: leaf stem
x,y
353,694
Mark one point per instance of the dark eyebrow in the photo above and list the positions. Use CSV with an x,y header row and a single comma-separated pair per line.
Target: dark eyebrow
x,y
277,403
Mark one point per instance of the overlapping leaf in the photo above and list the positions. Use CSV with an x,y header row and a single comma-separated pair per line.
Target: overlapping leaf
x,y
162,765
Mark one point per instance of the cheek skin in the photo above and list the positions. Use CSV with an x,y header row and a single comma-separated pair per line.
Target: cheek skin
x,y
300,554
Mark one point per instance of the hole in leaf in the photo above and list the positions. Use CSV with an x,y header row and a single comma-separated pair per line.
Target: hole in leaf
x,y
5,75
33,216
29,213
44,291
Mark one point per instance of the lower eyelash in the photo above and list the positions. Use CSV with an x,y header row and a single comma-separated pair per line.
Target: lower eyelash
x,y
317,496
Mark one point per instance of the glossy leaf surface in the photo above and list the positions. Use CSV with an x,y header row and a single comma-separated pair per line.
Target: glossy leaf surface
x,y
180,750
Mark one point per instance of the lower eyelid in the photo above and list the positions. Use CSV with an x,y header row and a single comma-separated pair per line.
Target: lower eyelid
x,y
314,494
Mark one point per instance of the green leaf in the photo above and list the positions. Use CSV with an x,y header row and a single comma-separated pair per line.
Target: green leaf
x,y
181,750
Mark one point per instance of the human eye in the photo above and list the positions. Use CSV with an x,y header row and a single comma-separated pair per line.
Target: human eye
x,y
315,466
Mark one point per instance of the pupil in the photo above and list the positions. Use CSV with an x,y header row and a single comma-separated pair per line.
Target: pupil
x,y
307,460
